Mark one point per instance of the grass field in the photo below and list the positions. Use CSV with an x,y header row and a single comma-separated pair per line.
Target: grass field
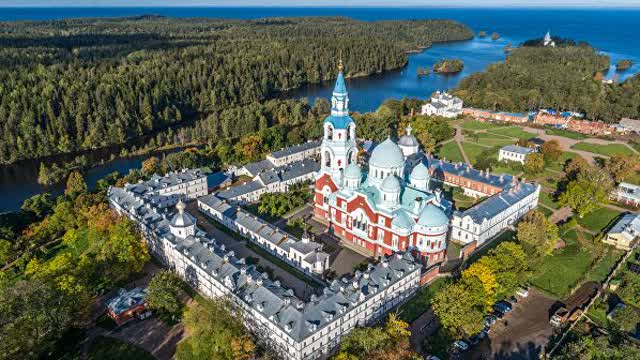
x,y
572,262
478,125
495,141
514,132
450,152
565,133
606,150
559,164
106,348
418,304
603,267
545,211
598,219
472,150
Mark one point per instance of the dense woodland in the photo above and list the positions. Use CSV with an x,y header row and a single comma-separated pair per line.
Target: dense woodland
x,y
82,84
565,78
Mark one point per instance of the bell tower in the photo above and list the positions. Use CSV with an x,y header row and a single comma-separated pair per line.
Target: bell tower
x,y
339,147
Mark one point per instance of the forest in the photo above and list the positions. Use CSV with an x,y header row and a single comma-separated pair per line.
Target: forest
x,y
564,78
83,84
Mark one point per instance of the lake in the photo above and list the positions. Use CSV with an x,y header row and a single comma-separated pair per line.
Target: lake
x,y
612,31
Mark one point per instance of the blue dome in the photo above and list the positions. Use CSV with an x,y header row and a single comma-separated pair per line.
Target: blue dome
x,y
433,216
419,172
403,221
387,155
353,172
339,122
391,184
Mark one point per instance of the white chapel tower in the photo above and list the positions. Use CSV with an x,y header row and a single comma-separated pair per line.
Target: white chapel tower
x,y
339,147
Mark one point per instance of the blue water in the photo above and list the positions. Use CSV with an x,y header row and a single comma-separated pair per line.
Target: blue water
x,y
612,31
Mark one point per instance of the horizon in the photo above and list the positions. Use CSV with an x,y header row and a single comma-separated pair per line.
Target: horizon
x,y
456,4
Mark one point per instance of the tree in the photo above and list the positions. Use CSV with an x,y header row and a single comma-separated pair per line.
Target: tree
x,y
165,293
583,195
588,347
622,166
534,163
123,252
396,328
38,205
75,185
151,165
537,234
459,310
44,178
551,150
483,273
627,318
216,331
510,266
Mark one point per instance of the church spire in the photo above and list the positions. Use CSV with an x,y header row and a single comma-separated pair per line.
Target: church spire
x,y
340,98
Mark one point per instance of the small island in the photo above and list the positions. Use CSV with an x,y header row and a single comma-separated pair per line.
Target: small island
x,y
623,65
422,72
448,66
495,36
482,34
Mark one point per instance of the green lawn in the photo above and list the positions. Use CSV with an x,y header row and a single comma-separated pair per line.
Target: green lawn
x,y
545,211
478,125
472,150
598,219
571,262
606,150
106,348
514,132
420,302
559,164
450,152
547,199
565,133
603,267
505,236
491,142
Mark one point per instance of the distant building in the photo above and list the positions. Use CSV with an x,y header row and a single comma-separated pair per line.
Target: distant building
x,y
548,41
627,194
484,115
514,153
625,233
127,305
218,180
280,158
627,125
171,187
443,104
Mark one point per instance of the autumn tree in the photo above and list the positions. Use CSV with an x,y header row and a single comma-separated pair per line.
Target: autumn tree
x,y
75,184
459,310
510,265
151,165
216,331
590,188
551,150
484,274
123,251
622,166
537,234
534,163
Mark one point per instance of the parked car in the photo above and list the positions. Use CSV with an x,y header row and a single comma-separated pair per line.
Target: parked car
x,y
522,292
490,320
461,344
503,306
497,314
478,337
431,357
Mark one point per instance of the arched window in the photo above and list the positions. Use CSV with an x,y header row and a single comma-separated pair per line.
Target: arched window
x,y
329,133
327,159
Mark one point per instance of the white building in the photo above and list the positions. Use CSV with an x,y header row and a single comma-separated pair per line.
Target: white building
x,y
185,183
443,104
292,328
304,254
627,193
271,180
548,41
494,214
278,159
625,233
514,153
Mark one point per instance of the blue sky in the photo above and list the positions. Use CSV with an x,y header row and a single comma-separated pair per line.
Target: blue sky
x,y
441,3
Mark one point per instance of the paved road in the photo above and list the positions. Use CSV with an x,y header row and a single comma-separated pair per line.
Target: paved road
x,y
301,288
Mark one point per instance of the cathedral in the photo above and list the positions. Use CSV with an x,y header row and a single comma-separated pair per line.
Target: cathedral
x,y
387,207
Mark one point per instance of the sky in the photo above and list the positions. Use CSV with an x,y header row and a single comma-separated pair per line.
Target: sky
x,y
337,3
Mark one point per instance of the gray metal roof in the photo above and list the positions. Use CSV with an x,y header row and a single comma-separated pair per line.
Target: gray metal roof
x,y
126,300
298,318
170,179
291,150
496,204
467,171
628,226
518,149
239,190
257,167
